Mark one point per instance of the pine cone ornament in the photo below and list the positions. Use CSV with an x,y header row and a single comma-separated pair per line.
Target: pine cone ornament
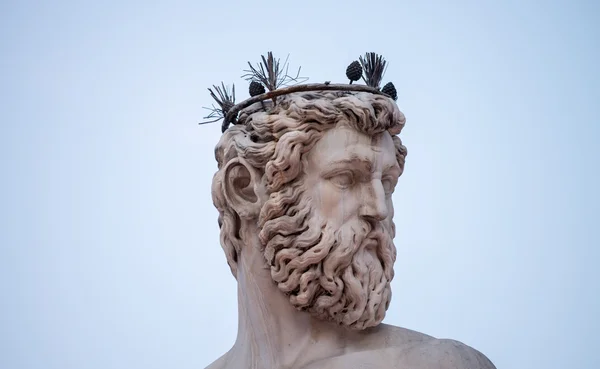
x,y
256,88
390,90
354,71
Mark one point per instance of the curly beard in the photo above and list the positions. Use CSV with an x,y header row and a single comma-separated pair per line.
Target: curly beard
x,y
341,275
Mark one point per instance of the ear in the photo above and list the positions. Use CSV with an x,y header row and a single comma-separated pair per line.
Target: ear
x,y
242,188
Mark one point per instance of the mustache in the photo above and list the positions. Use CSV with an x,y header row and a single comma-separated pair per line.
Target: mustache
x,y
351,240
291,256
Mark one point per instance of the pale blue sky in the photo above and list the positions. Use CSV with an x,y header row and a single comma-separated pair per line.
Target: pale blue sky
x,y
109,251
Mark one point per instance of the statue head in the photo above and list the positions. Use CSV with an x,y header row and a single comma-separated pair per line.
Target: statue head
x,y
311,178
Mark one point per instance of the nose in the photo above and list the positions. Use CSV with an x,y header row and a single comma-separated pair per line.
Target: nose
x,y
374,204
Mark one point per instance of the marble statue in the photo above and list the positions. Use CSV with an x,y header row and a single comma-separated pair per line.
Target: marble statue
x,y
304,193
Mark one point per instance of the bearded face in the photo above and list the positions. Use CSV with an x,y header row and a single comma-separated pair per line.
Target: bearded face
x,y
332,252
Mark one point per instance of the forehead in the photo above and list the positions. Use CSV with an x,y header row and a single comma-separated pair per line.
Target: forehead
x,y
346,144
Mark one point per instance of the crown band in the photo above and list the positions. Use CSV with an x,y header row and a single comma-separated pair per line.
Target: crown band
x,y
230,117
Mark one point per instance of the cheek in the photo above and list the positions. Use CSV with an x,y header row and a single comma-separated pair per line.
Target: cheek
x,y
335,205
390,206
328,199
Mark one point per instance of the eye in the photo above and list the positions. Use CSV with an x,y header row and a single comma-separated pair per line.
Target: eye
x,y
342,180
388,185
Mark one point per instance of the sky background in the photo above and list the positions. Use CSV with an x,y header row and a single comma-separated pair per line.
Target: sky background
x,y
109,248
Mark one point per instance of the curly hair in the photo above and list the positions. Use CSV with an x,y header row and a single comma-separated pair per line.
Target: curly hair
x,y
274,139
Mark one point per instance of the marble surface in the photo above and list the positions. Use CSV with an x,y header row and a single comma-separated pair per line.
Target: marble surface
x,y
304,192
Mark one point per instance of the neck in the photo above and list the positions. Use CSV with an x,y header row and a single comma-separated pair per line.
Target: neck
x,y
271,332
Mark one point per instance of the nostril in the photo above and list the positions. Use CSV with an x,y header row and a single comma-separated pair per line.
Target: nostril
x,y
374,213
377,213
372,221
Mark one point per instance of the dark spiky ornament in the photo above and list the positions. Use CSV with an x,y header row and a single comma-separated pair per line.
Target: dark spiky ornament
x,y
354,71
390,90
374,66
227,105
270,79
256,88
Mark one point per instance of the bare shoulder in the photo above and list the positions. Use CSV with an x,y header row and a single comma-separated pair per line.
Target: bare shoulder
x,y
401,348
447,354
388,336
388,346
427,351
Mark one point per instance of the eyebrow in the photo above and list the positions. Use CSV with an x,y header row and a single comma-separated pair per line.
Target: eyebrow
x,y
353,159
356,160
